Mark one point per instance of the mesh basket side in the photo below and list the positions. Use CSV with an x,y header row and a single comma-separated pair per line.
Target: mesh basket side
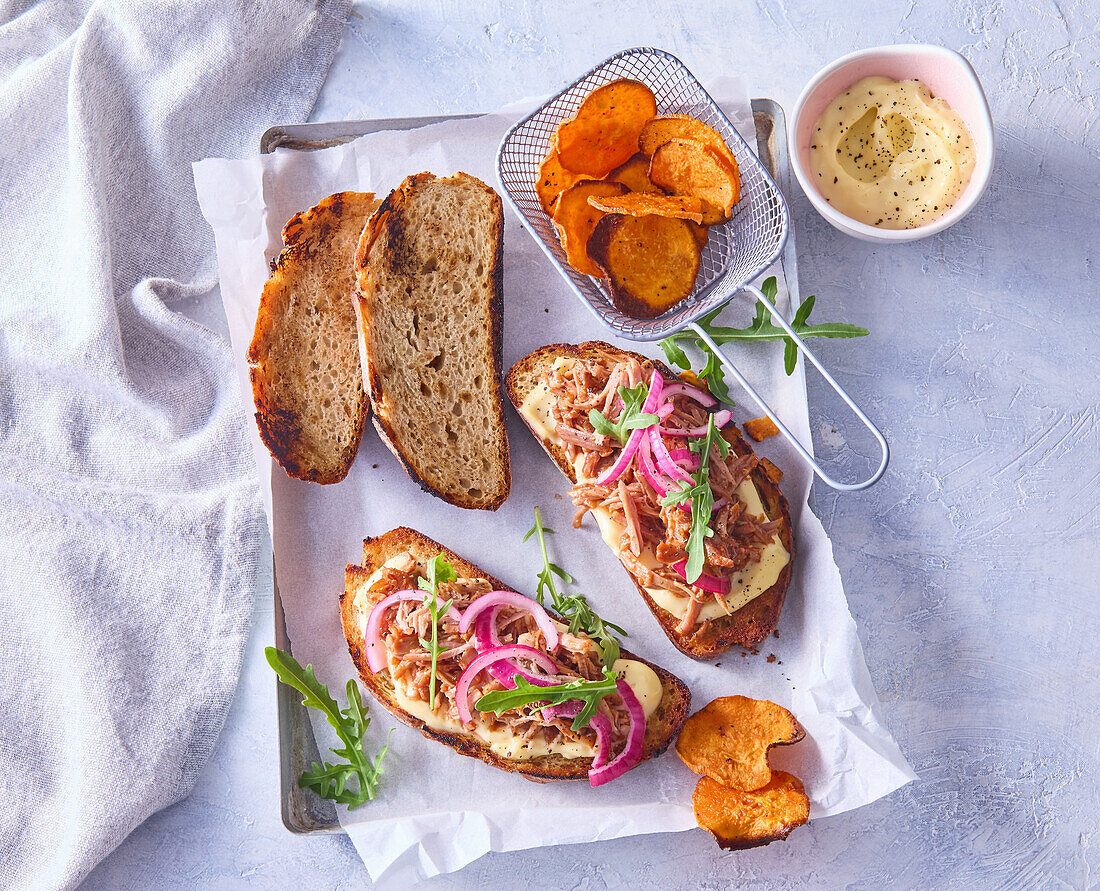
x,y
736,252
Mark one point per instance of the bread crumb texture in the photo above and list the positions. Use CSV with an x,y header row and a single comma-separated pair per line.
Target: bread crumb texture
x,y
433,303
306,375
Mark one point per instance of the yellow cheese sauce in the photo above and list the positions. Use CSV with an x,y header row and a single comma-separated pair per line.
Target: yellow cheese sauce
x,y
749,583
746,585
888,154
642,679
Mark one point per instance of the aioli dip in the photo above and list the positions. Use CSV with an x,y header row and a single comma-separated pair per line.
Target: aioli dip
x,y
886,153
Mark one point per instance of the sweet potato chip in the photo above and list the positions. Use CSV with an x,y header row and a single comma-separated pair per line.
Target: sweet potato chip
x,y
634,174
728,740
688,167
760,428
604,132
553,180
635,205
692,378
575,219
701,233
664,127
739,819
651,261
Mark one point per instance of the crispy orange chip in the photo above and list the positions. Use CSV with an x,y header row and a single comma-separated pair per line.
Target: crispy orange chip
x,y
728,740
604,132
651,261
575,219
664,127
739,819
688,167
701,233
760,428
692,378
635,205
553,180
634,174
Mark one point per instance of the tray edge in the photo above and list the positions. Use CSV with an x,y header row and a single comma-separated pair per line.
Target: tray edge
x,y
303,811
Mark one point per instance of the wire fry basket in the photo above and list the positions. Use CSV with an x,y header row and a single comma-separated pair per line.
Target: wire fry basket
x,y
736,252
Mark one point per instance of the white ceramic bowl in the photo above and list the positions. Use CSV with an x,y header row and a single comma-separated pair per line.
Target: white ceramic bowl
x,y
947,74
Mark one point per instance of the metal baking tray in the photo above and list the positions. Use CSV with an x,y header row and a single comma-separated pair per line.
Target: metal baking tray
x,y
303,810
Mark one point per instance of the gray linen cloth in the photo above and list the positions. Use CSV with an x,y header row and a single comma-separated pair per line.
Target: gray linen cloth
x,y
130,514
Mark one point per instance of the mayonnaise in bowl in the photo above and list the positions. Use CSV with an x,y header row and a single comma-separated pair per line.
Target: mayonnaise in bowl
x,y
888,154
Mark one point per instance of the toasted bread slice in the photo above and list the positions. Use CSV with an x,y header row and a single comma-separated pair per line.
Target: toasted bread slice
x,y
304,357
747,626
430,302
661,727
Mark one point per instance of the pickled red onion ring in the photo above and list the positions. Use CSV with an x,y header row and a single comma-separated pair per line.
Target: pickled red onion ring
x,y
656,386
617,469
648,470
485,630
632,754
602,726
569,709
516,601
709,583
664,460
484,660
486,637
599,724
721,419
686,458
372,630
681,389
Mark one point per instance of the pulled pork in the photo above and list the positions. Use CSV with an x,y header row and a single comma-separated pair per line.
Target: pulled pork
x,y
738,539
406,623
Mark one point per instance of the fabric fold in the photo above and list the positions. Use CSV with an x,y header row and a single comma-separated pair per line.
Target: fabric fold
x,y
131,510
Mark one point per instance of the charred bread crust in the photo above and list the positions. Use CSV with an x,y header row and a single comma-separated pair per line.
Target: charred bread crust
x,y
748,626
279,429
333,205
661,727
387,222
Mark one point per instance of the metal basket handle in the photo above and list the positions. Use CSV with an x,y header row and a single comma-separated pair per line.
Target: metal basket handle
x,y
777,317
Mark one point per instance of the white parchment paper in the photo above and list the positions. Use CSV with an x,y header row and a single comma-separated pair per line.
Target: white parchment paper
x,y
437,811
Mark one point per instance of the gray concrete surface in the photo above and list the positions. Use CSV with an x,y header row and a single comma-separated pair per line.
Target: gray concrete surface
x,y
972,567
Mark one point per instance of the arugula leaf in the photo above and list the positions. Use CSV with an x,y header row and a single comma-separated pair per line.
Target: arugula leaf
x,y
761,328
582,617
702,500
715,377
674,354
632,416
439,571
702,504
330,780
526,693
574,608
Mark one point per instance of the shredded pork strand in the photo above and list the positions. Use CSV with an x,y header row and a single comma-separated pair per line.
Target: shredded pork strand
x,y
410,620
739,538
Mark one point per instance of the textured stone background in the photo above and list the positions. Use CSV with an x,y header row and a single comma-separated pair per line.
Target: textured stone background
x,y
971,569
